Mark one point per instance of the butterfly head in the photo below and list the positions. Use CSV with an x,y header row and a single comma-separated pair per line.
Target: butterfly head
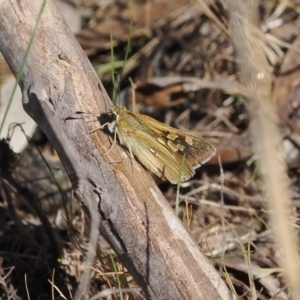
x,y
115,113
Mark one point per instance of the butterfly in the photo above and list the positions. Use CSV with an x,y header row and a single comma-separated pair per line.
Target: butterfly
x,y
169,153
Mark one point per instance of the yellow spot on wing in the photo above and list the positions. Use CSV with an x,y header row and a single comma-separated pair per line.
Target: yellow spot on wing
x,y
189,140
172,136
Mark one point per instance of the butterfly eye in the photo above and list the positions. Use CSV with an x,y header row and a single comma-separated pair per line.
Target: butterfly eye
x,y
114,116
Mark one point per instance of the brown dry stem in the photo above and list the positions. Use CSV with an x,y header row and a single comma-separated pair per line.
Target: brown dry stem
x,y
135,219
255,74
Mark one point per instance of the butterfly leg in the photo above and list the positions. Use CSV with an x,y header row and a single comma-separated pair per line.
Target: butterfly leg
x,y
115,140
115,136
100,127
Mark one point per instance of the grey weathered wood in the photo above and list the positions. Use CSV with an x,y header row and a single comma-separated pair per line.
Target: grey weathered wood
x,y
134,216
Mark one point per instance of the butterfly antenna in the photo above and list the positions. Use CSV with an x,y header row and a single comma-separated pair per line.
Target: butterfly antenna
x,y
133,87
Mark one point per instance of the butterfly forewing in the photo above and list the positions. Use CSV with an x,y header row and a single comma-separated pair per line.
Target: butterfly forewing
x,y
196,150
